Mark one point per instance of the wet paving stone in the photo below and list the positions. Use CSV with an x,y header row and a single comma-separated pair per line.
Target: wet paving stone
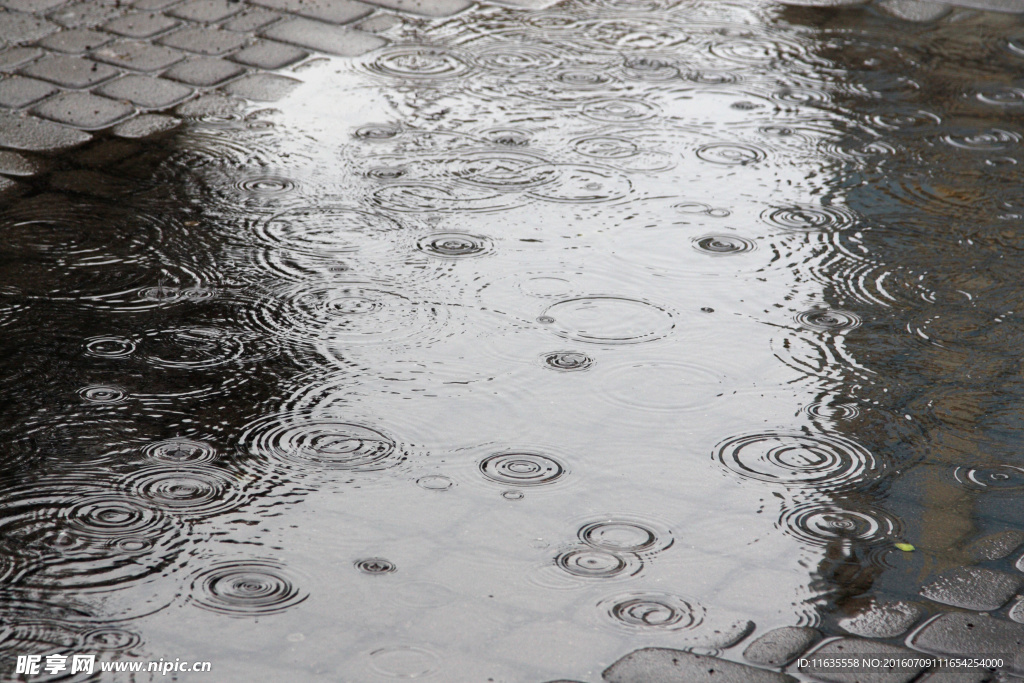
x,y
204,71
856,648
269,55
36,135
665,665
147,92
251,20
961,676
914,10
75,41
70,72
206,11
141,25
146,125
974,588
780,646
430,8
137,55
18,91
321,37
996,546
17,56
19,28
262,87
83,110
204,40
972,635
332,11
882,620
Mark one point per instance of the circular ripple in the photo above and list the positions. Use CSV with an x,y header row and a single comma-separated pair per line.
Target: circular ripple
x,y
103,394
503,170
454,244
987,141
375,565
828,320
592,563
111,639
190,348
809,217
518,58
418,63
649,68
609,320
404,661
583,184
311,441
991,477
187,492
719,245
567,361
377,131
731,153
109,347
1002,96
508,137
653,611
243,589
522,469
825,523
319,230
112,516
605,147
435,482
793,459
619,110
180,451
267,186
626,535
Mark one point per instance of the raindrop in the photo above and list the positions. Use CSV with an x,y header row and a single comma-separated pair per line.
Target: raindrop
x,y
605,147
626,535
988,141
513,495
619,110
103,394
723,244
522,469
592,563
380,131
610,320
518,58
653,611
419,63
810,217
824,523
111,639
375,565
435,482
109,347
990,477
180,451
404,661
454,244
245,589
731,153
567,361
315,442
828,320
188,492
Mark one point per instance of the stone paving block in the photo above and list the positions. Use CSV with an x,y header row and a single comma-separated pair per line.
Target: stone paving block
x,y
882,620
206,11
664,665
973,635
9,187
379,23
780,646
140,25
70,72
262,87
212,105
860,649
323,37
995,546
12,163
31,5
974,588
74,41
33,135
333,11
1009,6
526,4
84,14
15,57
204,71
148,92
146,125
251,20
913,10
137,55
204,41
17,91
958,676
83,110
430,8
269,55
18,28
153,4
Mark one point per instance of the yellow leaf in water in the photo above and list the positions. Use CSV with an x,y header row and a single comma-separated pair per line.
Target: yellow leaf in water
x,y
905,547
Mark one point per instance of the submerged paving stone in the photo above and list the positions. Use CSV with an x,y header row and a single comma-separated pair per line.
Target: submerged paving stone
x,y
33,135
137,55
780,646
146,125
206,11
269,55
333,11
212,105
140,25
12,163
957,633
996,546
914,10
204,71
70,72
148,92
320,37
262,87
882,620
75,42
204,41
664,665
974,588
83,110
18,91
851,648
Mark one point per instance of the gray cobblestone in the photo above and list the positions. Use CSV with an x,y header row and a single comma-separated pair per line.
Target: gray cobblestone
x,y
204,71
70,72
153,4
16,91
19,28
12,163
780,646
251,20
662,665
860,649
974,588
140,25
31,5
206,11
205,41
262,87
33,135
333,11
15,57
958,633
269,55
146,125
137,55
379,22
75,41
212,105
321,37
430,8
85,14
147,92
83,110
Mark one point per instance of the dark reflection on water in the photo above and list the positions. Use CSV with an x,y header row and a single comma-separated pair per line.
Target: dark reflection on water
x,y
586,326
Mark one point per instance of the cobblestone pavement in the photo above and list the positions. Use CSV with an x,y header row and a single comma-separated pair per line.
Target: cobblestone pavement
x,y
73,69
